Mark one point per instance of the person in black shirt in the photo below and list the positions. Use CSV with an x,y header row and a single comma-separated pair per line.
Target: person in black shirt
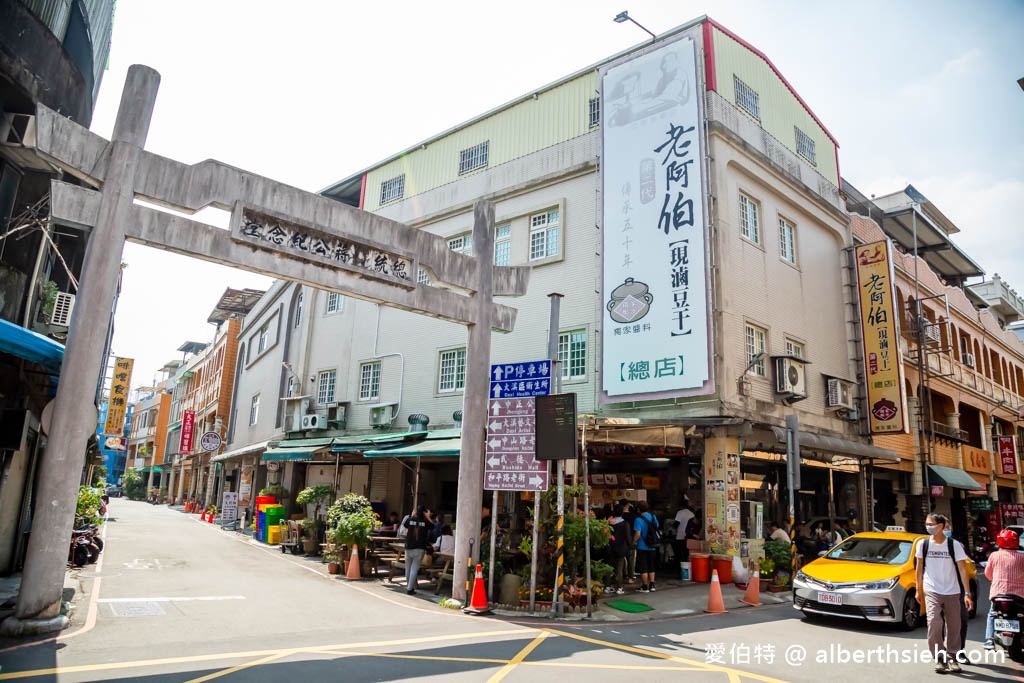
x,y
419,535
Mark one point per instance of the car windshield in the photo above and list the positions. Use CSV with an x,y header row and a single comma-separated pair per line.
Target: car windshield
x,y
873,550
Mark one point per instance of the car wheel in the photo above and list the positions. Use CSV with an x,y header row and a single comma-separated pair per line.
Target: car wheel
x,y
974,601
911,613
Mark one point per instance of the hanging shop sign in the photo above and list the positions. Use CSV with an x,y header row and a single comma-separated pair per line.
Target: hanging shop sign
x,y
1007,455
879,318
188,424
118,403
210,441
656,338
937,491
556,427
980,504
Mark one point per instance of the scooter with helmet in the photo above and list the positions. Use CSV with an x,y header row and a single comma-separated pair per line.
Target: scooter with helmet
x,y
1008,609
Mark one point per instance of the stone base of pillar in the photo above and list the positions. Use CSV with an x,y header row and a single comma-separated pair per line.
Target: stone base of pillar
x,y
13,627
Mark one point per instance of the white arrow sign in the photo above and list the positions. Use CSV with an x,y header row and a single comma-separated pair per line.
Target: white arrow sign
x,y
496,408
494,462
496,426
495,443
535,481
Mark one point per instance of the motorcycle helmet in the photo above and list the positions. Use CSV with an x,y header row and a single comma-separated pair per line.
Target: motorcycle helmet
x,y
1008,539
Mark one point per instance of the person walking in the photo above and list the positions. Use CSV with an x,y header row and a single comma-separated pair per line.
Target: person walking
x,y
644,530
419,529
941,581
1005,569
685,523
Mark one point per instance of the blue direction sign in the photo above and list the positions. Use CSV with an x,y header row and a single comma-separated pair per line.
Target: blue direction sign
x,y
519,380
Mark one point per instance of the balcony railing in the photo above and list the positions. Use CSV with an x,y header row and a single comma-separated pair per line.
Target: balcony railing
x,y
948,432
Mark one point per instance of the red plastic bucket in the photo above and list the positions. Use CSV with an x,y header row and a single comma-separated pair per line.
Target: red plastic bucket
x,y
723,564
701,567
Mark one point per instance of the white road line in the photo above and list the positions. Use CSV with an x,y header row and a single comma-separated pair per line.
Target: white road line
x,y
181,599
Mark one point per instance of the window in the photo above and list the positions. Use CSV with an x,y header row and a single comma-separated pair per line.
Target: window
x,y
335,302
794,348
254,409
750,226
503,245
746,98
805,146
462,244
452,375
393,189
369,381
264,339
293,386
572,354
422,277
787,240
298,309
594,111
325,386
755,344
544,235
473,158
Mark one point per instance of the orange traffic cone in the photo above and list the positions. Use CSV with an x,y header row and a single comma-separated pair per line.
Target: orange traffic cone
x,y
478,605
752,596
209,517
202,517
353,565
715,604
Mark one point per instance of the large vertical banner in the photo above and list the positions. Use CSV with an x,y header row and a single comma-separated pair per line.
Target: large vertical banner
x,y
117,405
879,320
1007,455
656,335
188,424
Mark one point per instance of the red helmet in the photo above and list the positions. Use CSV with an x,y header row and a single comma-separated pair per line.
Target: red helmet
x,y
1008,539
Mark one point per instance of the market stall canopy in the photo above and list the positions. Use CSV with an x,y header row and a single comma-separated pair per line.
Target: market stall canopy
x,y
827,448
364,442
665,436
951,476
238,452
440,442
24,343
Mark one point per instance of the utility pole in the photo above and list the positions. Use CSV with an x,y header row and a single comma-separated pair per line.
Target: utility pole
x,y
557,606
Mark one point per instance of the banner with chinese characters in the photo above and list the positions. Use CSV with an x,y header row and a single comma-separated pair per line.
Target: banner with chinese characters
x,y
1007,455
656,335
188,423
879,320
117,405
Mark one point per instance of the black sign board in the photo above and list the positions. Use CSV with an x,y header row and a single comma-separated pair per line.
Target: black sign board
x,y
556,427
980,504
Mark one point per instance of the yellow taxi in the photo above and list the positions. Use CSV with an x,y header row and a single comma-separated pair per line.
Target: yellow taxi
x,y
869,576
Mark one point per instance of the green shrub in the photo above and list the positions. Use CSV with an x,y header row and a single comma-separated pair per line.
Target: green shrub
x,y
133,484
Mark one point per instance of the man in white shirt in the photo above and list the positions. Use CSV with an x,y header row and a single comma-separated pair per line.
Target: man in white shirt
x,y
683,519
777,533
941,585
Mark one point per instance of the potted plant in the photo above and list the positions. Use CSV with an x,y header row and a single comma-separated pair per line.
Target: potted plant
x,y
333,557
309,535
351,521
276,490
315,496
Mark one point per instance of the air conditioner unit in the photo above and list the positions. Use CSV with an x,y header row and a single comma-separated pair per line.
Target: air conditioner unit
x,y
18,130
839,394
63,305
381,416
929,330
790,379
969,360
315,422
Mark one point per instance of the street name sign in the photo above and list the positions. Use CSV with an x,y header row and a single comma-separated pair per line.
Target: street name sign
x,y
509,461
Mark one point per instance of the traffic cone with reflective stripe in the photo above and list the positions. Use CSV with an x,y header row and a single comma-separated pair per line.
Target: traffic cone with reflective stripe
x,y
202,517
353,565
478,605
752,596
209,517
715,603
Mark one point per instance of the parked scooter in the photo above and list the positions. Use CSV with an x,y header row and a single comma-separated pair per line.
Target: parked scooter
x,y
983,548
86,545
1009,615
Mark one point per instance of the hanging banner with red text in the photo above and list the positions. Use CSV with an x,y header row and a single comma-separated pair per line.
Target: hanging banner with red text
x,y
117,406
188,423
1007,455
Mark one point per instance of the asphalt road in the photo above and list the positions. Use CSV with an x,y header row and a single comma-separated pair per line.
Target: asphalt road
x,y
176,600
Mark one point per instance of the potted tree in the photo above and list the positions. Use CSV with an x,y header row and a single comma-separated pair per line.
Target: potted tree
x,y
315,496
309,535
352,520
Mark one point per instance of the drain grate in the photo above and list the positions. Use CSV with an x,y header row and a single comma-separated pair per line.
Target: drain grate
x,y
142,608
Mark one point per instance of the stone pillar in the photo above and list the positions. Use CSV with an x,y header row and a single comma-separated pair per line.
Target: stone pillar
x,y
474,402
917,478
721,456
75,415
171,499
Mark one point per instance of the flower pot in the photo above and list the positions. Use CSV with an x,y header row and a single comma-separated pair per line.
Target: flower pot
x,y
774,588
309,546
333,568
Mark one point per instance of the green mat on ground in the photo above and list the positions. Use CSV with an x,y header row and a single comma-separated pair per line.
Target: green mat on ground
x,y
627,606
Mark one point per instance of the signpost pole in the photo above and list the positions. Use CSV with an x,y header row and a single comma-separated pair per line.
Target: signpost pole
x,y
556,379
494,534
586,510
793,477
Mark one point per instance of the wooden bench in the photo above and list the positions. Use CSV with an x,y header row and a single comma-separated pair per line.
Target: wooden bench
x,y
443,572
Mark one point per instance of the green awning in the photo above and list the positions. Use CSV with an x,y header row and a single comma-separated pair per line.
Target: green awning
x,y
425,449
363,442
950,476
297,450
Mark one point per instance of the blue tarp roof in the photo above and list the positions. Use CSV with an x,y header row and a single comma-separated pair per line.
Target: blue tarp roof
x,y
25,343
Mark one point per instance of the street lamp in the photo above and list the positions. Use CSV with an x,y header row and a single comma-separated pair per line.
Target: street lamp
x,y
623,17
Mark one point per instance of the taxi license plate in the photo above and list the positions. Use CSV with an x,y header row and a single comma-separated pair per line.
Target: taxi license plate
x,y
830,598
1012,625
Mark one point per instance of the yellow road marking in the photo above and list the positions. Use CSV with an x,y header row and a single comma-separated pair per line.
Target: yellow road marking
x,y
241,667
252,653
388,655
520,656
734,674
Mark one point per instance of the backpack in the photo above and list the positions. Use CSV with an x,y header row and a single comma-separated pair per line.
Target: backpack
x,y
652,537
952,556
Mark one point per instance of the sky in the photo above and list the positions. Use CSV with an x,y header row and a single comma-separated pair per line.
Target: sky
x,y
312,92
